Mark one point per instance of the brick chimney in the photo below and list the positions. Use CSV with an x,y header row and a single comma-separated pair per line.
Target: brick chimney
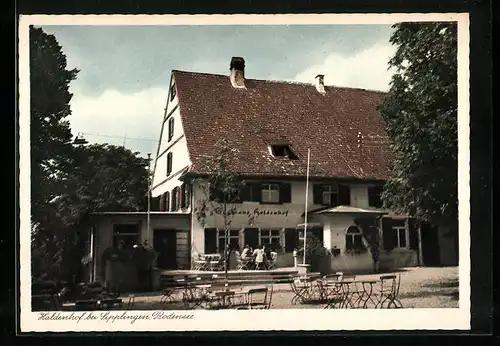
x,y
320,83
237,76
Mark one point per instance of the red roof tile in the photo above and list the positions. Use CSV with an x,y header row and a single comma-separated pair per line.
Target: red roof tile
x,y
296,112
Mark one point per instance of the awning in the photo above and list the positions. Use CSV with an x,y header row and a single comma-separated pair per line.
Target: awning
x,y
343,209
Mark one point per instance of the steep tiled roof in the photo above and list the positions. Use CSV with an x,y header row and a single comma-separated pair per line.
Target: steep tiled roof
x,y
295,112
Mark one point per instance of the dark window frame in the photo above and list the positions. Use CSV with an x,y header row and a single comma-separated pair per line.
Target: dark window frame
x,y
169,163
355,244
170,128
173,91
262,201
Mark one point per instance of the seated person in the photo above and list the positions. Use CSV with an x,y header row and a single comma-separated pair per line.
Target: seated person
x,y
259,255
246,253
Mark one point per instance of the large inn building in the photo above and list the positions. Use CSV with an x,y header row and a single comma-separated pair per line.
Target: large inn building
x,y
269,127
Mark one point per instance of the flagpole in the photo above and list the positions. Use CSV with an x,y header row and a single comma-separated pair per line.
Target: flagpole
x,y
305,214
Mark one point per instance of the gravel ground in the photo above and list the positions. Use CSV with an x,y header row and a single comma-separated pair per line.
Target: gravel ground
x,y
420,288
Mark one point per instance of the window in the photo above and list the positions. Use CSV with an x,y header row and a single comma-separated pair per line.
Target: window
x,y
314,236
282,150
172,92
126,235
354,240
270,193
329,195
375,196
399,234
170,128
169,163
233,240
271,237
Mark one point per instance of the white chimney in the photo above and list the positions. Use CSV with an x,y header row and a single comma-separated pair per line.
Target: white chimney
x,y
320,83
237,76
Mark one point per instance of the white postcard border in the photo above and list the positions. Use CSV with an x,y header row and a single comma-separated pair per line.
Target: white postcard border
x,y
290,319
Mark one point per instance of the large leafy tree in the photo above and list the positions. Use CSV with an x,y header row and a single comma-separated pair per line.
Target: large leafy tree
x,y
220,191
420,112
50,130
68,182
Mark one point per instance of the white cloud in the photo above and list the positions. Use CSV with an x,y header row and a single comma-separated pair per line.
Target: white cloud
x,y
113,116
367,70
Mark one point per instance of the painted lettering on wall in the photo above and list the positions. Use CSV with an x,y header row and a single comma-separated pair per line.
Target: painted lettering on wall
x,y
255,212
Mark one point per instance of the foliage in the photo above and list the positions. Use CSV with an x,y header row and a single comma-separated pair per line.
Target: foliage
x,y
420,112
221,190
67,182
369,228
315,252
50,143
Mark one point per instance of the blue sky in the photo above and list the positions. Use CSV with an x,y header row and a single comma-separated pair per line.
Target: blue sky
x,y
122,87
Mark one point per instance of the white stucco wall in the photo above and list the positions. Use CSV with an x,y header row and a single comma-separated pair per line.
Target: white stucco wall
x,y
177,146
104,229
333,231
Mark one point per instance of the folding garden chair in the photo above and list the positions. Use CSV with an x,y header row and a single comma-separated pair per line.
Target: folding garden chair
x,y
388,292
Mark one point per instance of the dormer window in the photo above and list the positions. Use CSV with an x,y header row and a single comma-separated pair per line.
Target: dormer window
x,y
282,150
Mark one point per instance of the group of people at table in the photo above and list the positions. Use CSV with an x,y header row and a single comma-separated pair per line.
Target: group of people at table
x,y
262,257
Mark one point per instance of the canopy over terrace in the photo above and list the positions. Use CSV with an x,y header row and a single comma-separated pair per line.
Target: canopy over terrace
x,y
343,209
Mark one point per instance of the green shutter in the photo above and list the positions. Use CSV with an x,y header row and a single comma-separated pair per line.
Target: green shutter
x,y
412,228
182,196
256,192
387,235
246,193
344,195
162,203
317,194
285,193
210,240
291,239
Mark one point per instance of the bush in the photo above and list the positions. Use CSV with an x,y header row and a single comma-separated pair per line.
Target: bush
x,y
315,253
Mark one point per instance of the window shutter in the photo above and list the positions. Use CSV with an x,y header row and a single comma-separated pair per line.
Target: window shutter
x,y
412,228
167,201
256,192
174,199
182,196
251,237
210,240
211,192
374,196
157,203
344,195
162,203
187,195
246,192
291,239
170,128
179,198
285,193
387,235
169,163
317,194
